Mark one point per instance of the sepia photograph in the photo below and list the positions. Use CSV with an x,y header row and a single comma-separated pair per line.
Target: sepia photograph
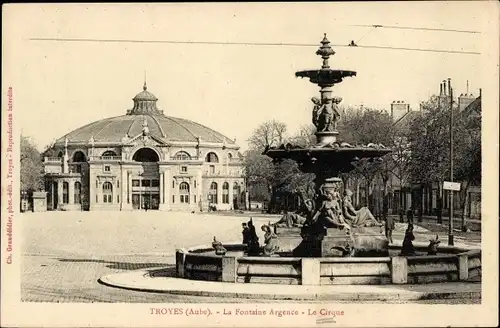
x,y
250,164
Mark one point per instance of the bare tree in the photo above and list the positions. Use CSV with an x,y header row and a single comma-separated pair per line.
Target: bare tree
x,y
268,134
305,137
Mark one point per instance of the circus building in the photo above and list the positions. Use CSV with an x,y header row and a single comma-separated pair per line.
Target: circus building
x,y
144,160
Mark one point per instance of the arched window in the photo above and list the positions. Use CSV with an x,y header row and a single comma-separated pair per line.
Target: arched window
x,y
146,155
182,156
107,192
225,193
78,156
60,154
109,153
212,193
78,193
212,158
229,156
65,192
184,192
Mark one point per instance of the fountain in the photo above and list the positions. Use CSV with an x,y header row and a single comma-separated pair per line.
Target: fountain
x,y
333,227
333,244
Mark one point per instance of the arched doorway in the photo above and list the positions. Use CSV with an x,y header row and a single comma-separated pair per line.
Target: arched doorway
x,y
212,194
146,184
184,192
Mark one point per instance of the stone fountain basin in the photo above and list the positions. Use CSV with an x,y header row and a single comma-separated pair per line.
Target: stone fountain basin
x,y
451,264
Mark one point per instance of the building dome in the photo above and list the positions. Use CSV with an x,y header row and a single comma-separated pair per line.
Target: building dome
x,y
145,112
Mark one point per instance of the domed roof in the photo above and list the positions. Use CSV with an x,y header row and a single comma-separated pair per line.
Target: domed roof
x,y
113,129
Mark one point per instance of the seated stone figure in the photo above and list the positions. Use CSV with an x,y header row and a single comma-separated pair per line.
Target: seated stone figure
x,y
219,248
289,220
358,218
330,210
270,241
432,249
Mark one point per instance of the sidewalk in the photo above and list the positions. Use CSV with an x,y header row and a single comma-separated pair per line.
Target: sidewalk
x,y
473,224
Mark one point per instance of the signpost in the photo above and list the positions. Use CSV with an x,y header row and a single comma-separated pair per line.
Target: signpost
x,y
450,227
452,186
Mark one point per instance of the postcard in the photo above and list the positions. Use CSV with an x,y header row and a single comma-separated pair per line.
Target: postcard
x,y
250,164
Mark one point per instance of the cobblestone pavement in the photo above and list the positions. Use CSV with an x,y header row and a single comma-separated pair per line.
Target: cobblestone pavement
x,y
64,253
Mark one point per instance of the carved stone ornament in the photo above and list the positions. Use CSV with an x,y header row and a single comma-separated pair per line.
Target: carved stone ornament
x,y
103,178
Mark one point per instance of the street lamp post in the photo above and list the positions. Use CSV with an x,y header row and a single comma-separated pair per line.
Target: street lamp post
x,y
450,226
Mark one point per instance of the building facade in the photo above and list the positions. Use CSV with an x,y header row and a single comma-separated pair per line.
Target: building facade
x,y
425,196
144,160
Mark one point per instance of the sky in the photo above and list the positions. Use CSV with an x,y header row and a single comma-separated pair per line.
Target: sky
x,y
60,86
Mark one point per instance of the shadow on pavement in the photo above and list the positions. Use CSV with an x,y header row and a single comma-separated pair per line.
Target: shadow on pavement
x,y
118,265
167,271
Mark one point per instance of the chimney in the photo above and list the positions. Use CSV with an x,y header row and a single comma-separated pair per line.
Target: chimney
x,y
465,99
444,88
399,109
440,89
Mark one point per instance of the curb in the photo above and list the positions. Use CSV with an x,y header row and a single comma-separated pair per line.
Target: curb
x,y
137,278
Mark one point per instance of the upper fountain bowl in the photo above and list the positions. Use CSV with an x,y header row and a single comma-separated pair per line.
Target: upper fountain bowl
x,y
325,76
338,157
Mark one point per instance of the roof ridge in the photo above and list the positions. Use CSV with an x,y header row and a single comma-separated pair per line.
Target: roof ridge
x,y
159,125
211,130
173,119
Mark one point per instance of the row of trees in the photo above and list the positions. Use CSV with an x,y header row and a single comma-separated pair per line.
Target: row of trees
x,y
430,148
420,153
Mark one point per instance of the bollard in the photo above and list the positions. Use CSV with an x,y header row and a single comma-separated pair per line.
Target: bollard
x,y
463,267
310,271
399,270
229,269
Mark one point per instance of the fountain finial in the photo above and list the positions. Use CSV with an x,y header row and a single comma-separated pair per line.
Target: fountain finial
x,y
325,51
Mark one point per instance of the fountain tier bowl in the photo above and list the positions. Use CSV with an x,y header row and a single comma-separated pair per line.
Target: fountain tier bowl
x,y
326,153
325,76
452,264
336,158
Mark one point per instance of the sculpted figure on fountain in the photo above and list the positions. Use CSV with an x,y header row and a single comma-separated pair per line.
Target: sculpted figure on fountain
x,y
326,114
358,218
316,111
326,120
270,241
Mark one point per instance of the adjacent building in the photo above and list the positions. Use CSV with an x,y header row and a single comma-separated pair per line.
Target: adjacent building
x,y
404,192
144,159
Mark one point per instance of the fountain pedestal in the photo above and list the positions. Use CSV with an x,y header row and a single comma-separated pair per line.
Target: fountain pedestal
x,y
288,238
363,241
